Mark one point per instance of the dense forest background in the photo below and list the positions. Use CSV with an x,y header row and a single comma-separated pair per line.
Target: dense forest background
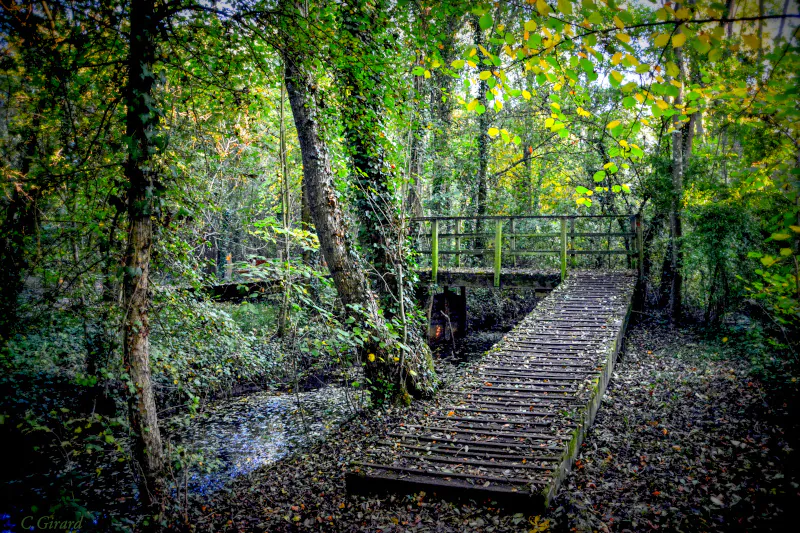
x,y
153,150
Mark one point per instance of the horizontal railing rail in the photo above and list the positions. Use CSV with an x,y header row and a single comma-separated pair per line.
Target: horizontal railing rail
x,y
514,239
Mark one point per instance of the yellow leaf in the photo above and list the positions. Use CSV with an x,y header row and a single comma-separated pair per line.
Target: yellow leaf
x,y
485,51
795,229
549,122
493,132
678,40
618,23
662,104
639,97
530,26
624,37
485,75
683,14
612,124
582,112
752,41
371,357
526,95
616,58
557,87
616,75
542,8
565,7
672,69
780,236
472,105
662,39
786,252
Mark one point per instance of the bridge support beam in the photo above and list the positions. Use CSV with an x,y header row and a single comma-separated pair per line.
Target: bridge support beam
x,y
448,315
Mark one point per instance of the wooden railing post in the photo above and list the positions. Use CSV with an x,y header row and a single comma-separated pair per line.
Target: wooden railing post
x,y
640,246
458,242
498,250
563,248
434,251
513,245
574,259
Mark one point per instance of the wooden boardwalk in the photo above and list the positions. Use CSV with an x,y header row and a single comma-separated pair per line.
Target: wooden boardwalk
x,y
509,432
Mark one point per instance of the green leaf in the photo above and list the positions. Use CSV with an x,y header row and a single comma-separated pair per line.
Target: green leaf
x,y
629,102
600,175
485,22
458,63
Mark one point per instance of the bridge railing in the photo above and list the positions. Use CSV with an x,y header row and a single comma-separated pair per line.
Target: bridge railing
x,y
529,242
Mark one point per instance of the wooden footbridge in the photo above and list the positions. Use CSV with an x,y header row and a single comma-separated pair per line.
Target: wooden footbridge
x,y
509,431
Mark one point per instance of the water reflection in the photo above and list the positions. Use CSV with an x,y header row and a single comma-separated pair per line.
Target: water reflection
x,y
237,436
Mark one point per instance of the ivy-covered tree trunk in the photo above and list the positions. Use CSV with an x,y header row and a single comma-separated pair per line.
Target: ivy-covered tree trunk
x,y
388,379
381,230
140,173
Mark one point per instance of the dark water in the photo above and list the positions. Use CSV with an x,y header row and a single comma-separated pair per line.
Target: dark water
x,y
237,436
234,437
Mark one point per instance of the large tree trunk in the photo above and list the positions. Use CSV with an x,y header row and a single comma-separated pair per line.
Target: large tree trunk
x,y
388,380
381,229
142,123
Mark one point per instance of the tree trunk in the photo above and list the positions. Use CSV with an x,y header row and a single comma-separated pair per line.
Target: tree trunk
x,y
283,317
389,380
441,105
481,187
679,158
141,123
415,155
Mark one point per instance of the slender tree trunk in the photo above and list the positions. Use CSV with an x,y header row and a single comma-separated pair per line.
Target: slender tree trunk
x,y
416,151
142,123
481,186
284,312
441,105
676,232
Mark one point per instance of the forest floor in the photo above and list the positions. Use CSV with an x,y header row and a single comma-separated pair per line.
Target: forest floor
x,y
687,439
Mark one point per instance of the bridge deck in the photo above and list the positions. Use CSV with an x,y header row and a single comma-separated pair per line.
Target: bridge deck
x,y
510,431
